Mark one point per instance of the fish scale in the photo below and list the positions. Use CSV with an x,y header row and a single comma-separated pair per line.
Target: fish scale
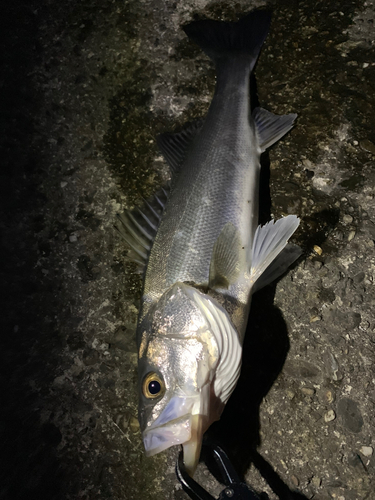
x,y
222,170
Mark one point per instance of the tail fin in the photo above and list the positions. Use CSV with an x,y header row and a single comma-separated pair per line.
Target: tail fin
x,y
219,39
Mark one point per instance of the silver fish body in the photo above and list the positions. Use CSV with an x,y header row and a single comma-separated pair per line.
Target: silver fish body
x,y
217,184
208,252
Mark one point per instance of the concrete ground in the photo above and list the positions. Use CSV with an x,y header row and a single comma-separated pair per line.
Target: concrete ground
x,y
85,88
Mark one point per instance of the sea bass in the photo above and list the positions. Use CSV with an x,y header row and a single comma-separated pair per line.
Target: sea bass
x,y
205,254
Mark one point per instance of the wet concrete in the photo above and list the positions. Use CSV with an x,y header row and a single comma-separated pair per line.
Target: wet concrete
x,y
86,87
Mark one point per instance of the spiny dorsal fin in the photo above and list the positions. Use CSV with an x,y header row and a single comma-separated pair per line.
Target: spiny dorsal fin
x,y
270,128
228,257
269,241
138,227
174,146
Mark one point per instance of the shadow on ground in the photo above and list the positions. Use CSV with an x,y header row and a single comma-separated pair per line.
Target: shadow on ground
x,y
265,350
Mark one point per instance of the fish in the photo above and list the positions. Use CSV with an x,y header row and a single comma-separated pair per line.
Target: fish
x,y
201,247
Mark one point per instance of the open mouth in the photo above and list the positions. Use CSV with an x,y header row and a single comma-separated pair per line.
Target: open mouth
x,y
186,430
160,437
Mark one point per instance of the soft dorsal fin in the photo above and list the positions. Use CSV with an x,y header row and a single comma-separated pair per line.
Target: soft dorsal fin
x,y
138,227
174,146
269,241
270,128
228,257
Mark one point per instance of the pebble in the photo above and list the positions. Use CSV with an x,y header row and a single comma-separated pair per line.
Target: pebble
x,y
73,238
367,451
329,396
290,394
294,480
314,319
316,481
63,184
347,219
351,235
318,250
350,414
134,424
329,416
307,163
368,146
122,421
307,391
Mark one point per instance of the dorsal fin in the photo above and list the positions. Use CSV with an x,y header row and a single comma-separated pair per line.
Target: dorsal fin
x,y
174,146
270,128
138,227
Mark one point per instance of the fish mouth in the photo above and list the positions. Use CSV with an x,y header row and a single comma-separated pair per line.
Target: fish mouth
x,y
173,425
177,424
159,438
187,430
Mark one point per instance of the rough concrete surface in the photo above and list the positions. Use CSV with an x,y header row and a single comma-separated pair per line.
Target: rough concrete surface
x,y
85,88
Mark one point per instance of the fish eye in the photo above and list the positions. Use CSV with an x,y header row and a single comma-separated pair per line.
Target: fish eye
x,y
152,386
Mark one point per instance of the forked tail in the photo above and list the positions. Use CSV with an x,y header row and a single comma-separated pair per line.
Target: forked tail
x,y
220,40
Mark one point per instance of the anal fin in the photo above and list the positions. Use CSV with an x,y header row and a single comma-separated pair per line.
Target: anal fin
x,y
138,227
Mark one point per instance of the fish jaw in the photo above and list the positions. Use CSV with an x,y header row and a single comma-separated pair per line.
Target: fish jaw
x,y
186,429
160,438
178,424
171,427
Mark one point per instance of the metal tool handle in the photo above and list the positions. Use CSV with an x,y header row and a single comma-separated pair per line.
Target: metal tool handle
x,y
234,490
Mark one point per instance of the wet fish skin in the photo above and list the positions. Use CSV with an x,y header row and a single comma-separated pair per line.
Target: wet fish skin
x,y
208,254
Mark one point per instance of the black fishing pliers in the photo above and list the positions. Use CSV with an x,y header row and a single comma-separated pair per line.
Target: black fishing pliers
x,y
234,488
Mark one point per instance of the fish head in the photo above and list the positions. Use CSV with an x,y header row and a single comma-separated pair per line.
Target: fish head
x,y
179,354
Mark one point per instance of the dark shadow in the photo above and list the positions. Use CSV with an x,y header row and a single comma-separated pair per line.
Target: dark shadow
x,y
265,349
274,480
316,227
30,466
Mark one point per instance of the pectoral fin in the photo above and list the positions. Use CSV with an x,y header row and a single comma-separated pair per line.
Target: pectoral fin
x,y
279,266
269,241
228,258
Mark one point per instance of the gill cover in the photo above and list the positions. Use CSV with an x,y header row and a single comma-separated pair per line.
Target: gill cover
x,y
188,347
